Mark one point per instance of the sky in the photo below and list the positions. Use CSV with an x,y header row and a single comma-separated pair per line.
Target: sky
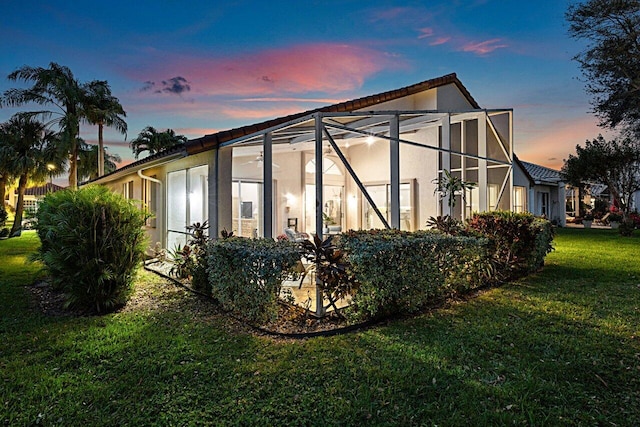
x,y
199,67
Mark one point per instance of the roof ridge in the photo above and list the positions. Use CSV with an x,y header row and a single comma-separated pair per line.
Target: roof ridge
x,y
207,142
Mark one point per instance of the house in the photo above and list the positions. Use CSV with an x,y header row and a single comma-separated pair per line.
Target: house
x,y
32,196
546,192
360,164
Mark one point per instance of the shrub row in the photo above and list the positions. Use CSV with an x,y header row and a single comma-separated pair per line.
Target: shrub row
x,y
401,272
92,241
395,271
519,241
246,275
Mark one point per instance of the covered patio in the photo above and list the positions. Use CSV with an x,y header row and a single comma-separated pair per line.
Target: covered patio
x,y
326,172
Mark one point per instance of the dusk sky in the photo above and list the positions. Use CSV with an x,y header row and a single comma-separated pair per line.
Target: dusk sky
x,y
201,66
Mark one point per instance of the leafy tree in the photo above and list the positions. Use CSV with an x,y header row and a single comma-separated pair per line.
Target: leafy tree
x,y
88,161
54,86
611,61
615,163
26,150
154,142
103,109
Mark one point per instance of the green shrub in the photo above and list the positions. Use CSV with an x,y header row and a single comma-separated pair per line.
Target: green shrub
x,y
520,241
4,232
246,275
402,272
92,242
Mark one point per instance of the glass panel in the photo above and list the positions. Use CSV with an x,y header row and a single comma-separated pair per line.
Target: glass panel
x,y
198,194
247,208
329,166
519,197
332,196
456,145
472,202
406,210
176,201
378,194
310,209
174,239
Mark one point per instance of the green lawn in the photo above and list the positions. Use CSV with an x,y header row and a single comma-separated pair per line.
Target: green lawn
x,y
559,348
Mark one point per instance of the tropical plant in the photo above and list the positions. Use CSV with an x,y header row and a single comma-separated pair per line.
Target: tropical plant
x,y
25,149
449,186
611,59
190,261
88,160
54,86
446,224
92,241
331,268
182,261
154,142
103,109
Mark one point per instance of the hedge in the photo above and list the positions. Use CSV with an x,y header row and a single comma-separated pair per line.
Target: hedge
x,y
246,274
401,272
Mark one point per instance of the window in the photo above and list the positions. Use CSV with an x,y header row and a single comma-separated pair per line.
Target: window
x,y
127,190
544,204
187,202
150,199
492,196
519,199
381,196
246,210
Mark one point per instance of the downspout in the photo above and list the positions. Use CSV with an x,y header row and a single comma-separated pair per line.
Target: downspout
x,y
148,178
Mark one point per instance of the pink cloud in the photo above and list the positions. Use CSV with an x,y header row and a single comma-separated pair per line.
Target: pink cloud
x,y
425,32
195,132
259,113
439,41
321,67
482,48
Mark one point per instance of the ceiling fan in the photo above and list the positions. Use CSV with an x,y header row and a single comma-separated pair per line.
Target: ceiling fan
x,y
259,160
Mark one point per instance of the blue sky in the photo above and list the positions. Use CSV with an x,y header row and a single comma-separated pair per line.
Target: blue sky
x,y
198,66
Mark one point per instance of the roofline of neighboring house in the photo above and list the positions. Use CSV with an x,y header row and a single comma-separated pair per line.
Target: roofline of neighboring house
x,y
175,152
212,141
534,180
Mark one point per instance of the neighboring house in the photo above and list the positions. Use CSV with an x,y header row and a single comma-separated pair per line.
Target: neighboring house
x,y
360,164
32,196
545,194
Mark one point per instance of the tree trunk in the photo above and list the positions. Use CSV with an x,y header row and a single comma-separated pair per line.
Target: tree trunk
x,y
73,165
3,190
17,222
100,150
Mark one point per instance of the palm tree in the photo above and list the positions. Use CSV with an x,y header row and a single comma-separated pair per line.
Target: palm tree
x,y
88,161
26,142
154,142
103,109
54,86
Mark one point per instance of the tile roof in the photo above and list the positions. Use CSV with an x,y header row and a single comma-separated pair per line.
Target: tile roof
x,y
208,142
42,190
541,173
166,153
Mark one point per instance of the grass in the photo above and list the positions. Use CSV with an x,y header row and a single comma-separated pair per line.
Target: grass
x,y
559,348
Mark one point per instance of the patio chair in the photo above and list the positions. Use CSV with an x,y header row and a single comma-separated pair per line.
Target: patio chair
x,y
604,220
294,236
